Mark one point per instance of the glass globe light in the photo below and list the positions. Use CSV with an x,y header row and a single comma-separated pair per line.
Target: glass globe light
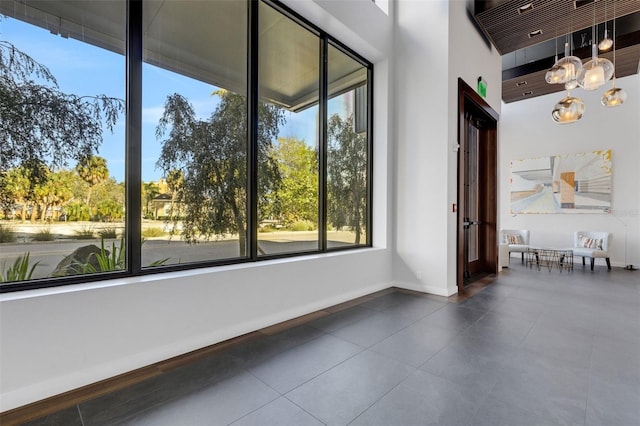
x,y
556,75
614,96
596,72
568,110
571,66
571,84
606,43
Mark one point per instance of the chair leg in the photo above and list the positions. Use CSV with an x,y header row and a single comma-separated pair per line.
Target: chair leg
x,y
608,263
593,260
582,260
522,257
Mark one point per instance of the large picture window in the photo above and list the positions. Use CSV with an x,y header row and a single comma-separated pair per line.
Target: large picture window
x,y
62,140
194,131
197,133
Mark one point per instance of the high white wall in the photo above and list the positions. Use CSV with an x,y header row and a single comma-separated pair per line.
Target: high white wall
x,y
435,45
54,340
527,131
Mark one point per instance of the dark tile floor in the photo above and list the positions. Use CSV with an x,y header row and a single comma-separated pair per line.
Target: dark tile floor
x,y
534,348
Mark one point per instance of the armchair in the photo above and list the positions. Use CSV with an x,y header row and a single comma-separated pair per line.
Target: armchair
x,y
593,245
517,239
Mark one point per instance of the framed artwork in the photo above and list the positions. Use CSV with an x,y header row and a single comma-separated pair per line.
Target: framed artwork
x,y
569,183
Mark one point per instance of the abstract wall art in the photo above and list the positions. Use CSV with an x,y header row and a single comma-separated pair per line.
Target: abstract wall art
x,y
569,183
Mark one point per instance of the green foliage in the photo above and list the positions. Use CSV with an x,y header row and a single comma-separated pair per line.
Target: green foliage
x,y
302,225
15,188
44,234
153,232
93,170
108,261
150,190
21,270
114,193
114,259
7,234
78,211
84,233
110,232
109,210
160,262
297,195
41,123
51,191
211,155
346,176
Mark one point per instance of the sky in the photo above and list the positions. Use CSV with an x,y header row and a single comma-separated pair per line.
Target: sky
x,y
83,69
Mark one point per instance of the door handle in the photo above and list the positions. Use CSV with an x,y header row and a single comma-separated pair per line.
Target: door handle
x,y
468,223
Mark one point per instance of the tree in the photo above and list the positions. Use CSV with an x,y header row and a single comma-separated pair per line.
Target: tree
x,y
15,189
150,190
53,192
212,156
346,176
297,197
175,182
93,170
40,123
107,195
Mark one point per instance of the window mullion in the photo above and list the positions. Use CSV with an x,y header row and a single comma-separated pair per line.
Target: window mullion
x,y
322,145
252,136
133,160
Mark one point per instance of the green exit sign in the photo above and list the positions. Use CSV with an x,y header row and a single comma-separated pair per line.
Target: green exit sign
x,y
482,87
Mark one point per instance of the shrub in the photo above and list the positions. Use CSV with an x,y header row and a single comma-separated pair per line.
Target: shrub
x,y
109,232
302,225
21,270
7,234
108,261
78,211
44,234
84,233
152,232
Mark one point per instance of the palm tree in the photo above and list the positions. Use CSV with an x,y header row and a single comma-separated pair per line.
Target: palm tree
x,y
93,170
150,190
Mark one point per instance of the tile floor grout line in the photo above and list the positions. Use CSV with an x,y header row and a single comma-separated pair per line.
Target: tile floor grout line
x,y
303,409
384,394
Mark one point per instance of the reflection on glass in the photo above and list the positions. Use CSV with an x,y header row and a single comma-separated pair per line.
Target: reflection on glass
x,y
194,134
63,141
347,180
288,135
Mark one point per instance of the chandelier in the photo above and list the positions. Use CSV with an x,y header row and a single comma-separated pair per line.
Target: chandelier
x,y
570,71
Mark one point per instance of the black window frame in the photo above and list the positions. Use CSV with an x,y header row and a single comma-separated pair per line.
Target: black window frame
x,y
133,148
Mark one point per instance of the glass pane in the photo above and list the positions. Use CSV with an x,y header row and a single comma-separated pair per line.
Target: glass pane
x,y
194,131
472,204
62,196
287,135
347,158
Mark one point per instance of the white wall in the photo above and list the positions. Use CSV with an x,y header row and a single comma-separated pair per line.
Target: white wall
x,y
435,45
54,340
527,131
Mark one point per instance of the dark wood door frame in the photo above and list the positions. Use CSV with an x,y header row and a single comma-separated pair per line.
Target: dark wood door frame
x,y
469,102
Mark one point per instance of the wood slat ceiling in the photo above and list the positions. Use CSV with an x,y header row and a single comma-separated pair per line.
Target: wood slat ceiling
x,y
533,84
509,30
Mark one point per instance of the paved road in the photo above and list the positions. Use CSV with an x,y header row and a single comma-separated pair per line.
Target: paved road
x,y
50,253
